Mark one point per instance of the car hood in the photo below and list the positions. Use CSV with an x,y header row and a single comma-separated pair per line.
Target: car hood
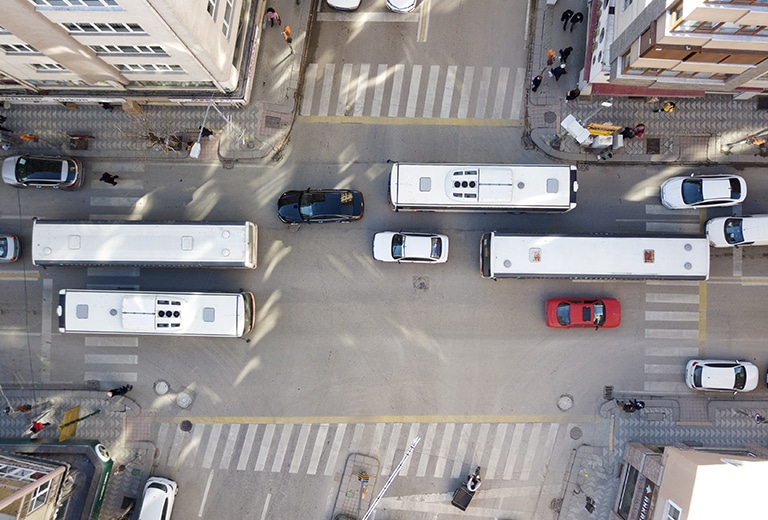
x,y
288,206
9,169
382,246
672,192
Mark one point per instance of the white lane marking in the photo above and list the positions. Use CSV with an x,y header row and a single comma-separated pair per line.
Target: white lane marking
x,y
298,452
461,449
671,334
671,351
666,387
378,435
663,369
266,506
128,377
111,341
673,227
737,262
514,449
123,202
188,451
317,450
266,441
325,94
482,94
45,333
229,447
245,453
362,88
412,433
672,298
210,450
116,272
346,76
517,111
360,18
501,92
394,438
338,438
413,92
397,86
378,90
205,494
466,91
104,359
445,446
282,447
431,92
426,450
530,453
498,442
450,80
671,316
310,77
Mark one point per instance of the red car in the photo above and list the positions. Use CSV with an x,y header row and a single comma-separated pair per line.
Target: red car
x,y
564,313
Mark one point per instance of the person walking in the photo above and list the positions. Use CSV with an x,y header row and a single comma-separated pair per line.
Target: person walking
x,y
273,17
668,106
572,94
536,82
109,178
565,53
577,18
106,106
29,137
120,390
556,72
565,17
550,57
639,130
287,37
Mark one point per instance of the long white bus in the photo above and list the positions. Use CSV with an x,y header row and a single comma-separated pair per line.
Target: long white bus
x,y
485,187
144,244
181,314
609,257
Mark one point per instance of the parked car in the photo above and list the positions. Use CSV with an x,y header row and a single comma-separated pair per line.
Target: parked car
x,y
428,248
9,248
344,5
703,191
732,376
750,230
42,171
159,495
564,313
401,6
295,207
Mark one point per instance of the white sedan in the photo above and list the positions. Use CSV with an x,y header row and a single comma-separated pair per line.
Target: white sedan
x,y
703,191
746,230
711,374
429,248
401,6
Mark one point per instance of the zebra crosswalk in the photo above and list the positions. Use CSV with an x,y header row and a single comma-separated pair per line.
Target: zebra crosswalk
x,y
413,91
506,451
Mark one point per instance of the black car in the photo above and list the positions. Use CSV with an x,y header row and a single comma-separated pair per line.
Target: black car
x,y
295,207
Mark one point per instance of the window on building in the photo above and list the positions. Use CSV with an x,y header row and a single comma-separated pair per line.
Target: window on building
x,y
226,24
86,27
39,496
148,67
18,48
48,67
212,5
625,4
129,49
672,511
76,3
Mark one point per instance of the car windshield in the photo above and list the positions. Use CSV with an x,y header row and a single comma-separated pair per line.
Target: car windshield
x,y
692,193
564,314
398,241
741,377
436,248
734,233
30,168
3,247
599,318
735,189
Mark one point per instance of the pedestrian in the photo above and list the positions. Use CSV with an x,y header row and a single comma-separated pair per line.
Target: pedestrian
x,y
109,178
36,427
577,18
639,130
106,106
572,94
287,37
273,17
120,390
29,137
536,82
627,133
4,129
550,57
204,132
604,156
564,53
668,106
565,17
556,72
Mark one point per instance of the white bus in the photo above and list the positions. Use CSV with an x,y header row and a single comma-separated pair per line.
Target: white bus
x,y
144,244
181,314
486,187
552,256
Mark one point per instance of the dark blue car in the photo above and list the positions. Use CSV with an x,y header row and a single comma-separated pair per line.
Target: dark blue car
x,y
296,207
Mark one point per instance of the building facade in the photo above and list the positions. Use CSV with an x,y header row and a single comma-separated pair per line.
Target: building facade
x,y
29,487
677,47
147,49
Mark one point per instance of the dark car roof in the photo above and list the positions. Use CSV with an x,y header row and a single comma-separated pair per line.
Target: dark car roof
x,y
324,203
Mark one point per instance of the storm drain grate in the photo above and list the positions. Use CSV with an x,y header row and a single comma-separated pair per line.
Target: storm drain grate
x,y
653,145
272,122
762,102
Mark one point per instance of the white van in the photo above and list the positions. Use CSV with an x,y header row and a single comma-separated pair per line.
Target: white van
x,y
159,495
751,230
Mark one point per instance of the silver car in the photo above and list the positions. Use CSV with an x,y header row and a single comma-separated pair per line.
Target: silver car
x,y
41,171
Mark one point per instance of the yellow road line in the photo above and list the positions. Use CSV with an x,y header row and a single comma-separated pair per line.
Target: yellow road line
x,y
423,22
19,275
371,419
424,121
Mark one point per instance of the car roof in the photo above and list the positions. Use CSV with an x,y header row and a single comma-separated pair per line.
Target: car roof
x,y
716,189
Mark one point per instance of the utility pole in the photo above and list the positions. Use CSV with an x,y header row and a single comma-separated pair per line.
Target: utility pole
x,y
391,478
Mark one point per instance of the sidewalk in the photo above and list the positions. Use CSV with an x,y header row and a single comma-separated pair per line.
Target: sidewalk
x,y
700,130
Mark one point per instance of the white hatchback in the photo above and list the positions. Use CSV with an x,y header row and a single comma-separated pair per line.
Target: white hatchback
x,y
344,5
712,374
401,6
428,248
703,191
159,495
751,230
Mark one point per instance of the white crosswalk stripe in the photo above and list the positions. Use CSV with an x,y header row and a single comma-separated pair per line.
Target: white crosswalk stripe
x,y
409,90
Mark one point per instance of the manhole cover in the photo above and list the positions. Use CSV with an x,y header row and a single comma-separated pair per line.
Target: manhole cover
x,y
653,145
161,387
421,283
184,400
550,117
556,505
186,426
272,122
576,433
565,402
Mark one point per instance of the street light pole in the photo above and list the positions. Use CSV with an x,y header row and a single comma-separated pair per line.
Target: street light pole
x,y
391,478
194,152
